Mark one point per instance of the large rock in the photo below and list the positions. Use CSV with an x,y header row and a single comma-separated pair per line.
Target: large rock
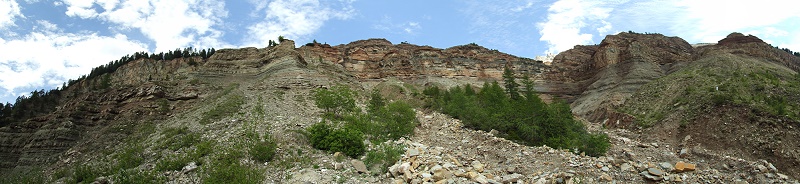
x,y
359,166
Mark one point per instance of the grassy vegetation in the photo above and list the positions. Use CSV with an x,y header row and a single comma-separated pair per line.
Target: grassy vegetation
x,y
263,150
23,176
224,109
723,80
177,138
226,167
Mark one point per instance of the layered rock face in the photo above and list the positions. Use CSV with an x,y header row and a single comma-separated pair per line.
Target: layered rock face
x,y
598,78
379,58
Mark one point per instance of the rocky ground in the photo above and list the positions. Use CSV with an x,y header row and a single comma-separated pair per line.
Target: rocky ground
x,y
442,151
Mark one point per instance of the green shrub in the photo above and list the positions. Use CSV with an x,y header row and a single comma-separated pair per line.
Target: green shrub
x,y
335,101
348,141
84,174
397,120
263,151
317,134
345,140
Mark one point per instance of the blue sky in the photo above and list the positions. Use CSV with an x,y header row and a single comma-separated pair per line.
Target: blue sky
x,y
43,43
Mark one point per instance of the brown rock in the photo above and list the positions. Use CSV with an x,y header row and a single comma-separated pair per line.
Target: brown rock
x,y
606,177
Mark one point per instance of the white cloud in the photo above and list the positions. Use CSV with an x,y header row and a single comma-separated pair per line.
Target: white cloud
x,y
709,21
47,25
387,25
294,19
566,20
503,25
169,23
48,59
9,11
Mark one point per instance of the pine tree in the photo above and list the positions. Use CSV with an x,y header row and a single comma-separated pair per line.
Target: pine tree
x,y
510,83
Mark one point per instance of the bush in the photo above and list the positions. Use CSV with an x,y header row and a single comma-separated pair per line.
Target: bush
x,y
345,140
130,157
397,120
335,101
263,151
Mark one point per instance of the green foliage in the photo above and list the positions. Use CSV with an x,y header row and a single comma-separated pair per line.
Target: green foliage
x,y
396,120
345,140
163,106
138,177
173,163
224,109
130,157
227,168
376,102
23,176
383,157
85,173
335,101
524,118
263,150
177,138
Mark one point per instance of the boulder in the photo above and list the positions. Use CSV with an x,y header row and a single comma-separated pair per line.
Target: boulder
x,y
360,167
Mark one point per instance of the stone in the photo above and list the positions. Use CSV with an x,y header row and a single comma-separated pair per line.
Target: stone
x,y
338,166
472,175
511,178
412,152
338,155
649,176
452,159
625,167
655,171
407,174
689,167
606,177
441,174
740,182
359,165
761,168
541,181
666,166
481,179
478,166
680,166
604,169
772,167
189,167
783,176
683,153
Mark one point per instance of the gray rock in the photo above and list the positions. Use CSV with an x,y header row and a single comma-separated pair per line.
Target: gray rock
x,y
189,167
649,176
338,166
511,178
655,171
625,167
604,169
666,166
772,167
359,165
783,176
412,152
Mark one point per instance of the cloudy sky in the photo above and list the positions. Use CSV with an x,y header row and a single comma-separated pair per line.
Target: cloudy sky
x,y
43,43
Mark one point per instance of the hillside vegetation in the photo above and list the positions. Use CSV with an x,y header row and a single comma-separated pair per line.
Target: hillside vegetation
x,y
518,116
722,80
